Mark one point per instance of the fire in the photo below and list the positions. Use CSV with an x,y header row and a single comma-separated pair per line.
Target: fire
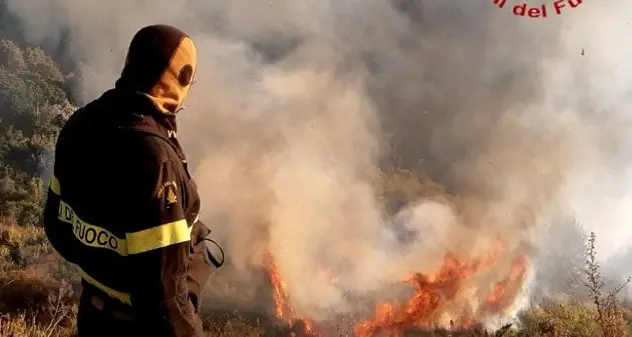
x,y
433,294
437,297
282,306
506,290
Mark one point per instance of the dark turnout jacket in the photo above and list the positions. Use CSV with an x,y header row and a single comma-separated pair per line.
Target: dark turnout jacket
x,y
123,206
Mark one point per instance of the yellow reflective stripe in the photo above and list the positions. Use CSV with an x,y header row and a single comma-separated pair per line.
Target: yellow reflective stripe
x,y
137,242
121,296
54,186
91,235
158,237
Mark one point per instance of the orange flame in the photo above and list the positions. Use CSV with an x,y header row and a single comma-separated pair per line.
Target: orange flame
x,y
506,290
434,293
282,307
435,296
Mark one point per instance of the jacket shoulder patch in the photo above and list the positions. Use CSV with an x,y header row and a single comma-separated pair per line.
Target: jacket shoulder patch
x,y
171,196
168,192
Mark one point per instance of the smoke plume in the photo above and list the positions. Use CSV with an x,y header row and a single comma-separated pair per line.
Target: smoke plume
x,y
298,105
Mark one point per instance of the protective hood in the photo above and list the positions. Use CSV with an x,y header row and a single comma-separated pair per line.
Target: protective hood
x,y
160,64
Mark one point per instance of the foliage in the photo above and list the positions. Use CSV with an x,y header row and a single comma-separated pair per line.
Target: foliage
x,y
33,107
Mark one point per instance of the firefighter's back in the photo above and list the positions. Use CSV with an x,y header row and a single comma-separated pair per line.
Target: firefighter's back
x,y
99,169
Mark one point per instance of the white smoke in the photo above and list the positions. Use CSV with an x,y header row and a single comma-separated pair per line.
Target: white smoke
x,y
525,118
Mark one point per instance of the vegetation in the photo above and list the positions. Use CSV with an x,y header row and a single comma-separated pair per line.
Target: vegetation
x,y
38,290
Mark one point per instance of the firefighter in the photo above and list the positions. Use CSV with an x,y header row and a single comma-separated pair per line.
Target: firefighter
x,y
122,205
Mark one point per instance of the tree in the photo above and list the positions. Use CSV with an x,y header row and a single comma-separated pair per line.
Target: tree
x,y
33,108
11,56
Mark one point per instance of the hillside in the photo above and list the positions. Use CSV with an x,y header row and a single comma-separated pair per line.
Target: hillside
x,y
38,291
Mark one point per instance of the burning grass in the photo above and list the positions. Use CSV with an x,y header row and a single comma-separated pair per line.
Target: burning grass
x,y
460,294
434,295
457,298
438,300
47,309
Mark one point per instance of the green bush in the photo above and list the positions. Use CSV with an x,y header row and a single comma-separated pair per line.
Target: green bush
x,y
33,107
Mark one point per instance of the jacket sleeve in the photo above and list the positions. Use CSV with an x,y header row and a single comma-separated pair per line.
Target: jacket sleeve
x,y
159,252
56,231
